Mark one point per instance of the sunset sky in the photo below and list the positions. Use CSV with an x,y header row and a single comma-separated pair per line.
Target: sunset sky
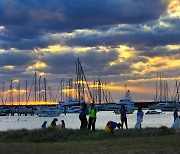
x,y
120,41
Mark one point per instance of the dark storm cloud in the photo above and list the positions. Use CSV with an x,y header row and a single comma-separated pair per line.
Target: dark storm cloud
x,y
93,62
136,59
33,17
117,69
131,35
167,72
15,58
161,52
10,71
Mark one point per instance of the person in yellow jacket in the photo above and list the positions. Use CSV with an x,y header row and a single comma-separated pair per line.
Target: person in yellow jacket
x,y
92,117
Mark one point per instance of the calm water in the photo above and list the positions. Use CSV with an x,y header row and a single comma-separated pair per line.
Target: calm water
x,y
72,120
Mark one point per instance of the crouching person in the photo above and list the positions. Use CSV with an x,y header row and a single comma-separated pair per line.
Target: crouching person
x,y
110,127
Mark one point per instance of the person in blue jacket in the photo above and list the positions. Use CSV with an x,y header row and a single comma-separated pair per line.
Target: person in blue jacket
x,y
53,123
123,115
112,125
44,124
82,116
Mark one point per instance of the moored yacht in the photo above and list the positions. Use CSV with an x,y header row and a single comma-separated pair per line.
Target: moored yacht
x,y
70,102
47,111
127,102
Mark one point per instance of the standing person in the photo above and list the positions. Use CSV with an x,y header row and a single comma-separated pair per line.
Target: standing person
x,y
123,116
53,123
176,124
63,124
82,116
175,114
92,117
140,114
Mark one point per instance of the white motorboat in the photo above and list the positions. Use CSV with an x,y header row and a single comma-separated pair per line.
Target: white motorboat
x,y
168,107
48,111
153,112
163,106
128,111
128,103
177,104
74,109
110,107
70,102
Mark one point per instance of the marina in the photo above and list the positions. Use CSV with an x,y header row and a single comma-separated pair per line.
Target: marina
x,y
72,120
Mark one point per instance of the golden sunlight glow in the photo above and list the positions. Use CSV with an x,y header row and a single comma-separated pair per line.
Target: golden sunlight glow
x,y
113,87
16,80
15,91
174,63
41,74
135,89
125,52
38,65
173,47
59,48
151,79
68,90
31,103
164,24
10,67
143,68
112,63
103,48
82,82
174,8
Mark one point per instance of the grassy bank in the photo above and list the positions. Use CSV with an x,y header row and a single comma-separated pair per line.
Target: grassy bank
x,y
58,135
149,140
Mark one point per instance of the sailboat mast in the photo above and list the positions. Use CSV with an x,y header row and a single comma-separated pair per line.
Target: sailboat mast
x,y
78,80
35,82
19,92
39,88
45,95
99,91
11,92
61,90
156,95
26,93
3,95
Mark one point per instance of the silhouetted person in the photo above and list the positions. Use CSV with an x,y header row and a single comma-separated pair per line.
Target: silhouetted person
x,y
53,123
123,116
82,116
92,117
44,124
175,114
63,124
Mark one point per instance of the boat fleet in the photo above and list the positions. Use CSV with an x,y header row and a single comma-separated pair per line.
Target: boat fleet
x,y
73,106
71,102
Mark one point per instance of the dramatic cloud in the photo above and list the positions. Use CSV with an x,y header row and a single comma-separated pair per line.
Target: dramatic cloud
x,y
161,52
15,58
67,15
117,40
93,62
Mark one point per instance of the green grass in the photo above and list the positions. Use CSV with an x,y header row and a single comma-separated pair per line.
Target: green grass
x,y
58,135
146,144
53,140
